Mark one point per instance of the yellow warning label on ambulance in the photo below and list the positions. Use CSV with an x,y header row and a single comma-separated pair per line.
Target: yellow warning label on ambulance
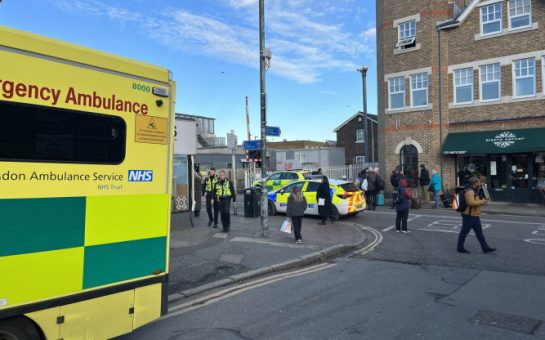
x,y
152,130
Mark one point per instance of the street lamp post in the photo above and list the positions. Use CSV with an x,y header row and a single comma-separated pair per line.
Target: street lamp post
x,y
264,57
363,71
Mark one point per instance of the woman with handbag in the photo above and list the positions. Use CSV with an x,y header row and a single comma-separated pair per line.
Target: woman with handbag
x,y
297,204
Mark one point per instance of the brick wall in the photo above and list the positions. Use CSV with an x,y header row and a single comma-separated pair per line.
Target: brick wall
x,y
346,138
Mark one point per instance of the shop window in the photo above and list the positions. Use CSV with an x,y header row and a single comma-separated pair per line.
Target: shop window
x,y
520,13
539,171
491,19
519,172
498,173
463,85
419,90
472,166
490,82
525,77
409,164
397,93
181,184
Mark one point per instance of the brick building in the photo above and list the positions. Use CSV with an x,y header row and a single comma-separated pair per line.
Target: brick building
x,y
350,136
461,89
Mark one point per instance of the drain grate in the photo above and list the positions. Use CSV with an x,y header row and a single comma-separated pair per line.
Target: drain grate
x,y
506,321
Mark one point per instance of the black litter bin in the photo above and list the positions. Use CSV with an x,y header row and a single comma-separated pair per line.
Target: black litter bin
x,y
252,202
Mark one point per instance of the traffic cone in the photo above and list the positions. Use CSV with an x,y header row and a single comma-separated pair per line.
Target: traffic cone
x,y
455,203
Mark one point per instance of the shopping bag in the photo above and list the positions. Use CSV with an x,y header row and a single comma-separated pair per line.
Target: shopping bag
x,y
321,201
286,227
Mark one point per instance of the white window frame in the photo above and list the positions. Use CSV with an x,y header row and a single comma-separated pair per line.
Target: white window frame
x,y
419,89
362,158
500,19
397,92
470,69
360,136
523,77
407,40
519,15
481,82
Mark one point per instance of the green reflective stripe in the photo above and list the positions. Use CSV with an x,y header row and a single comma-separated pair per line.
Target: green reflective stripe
x,y
114,262
41,224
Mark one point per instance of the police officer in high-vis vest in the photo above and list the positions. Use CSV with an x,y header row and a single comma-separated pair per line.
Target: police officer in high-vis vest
x,y
225,192
209,189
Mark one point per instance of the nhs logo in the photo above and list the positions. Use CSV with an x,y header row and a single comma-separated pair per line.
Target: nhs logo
x,y
140,175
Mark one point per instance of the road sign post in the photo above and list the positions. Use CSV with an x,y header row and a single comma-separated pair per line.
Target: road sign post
x,y
232,145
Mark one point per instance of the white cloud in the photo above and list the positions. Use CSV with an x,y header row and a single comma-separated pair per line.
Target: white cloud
x,y
303,35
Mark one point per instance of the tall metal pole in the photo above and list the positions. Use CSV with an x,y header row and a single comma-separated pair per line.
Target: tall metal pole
x,y
363,71
262,66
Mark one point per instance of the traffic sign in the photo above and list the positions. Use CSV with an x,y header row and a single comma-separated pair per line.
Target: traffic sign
x,y
231,141
251,145
273,131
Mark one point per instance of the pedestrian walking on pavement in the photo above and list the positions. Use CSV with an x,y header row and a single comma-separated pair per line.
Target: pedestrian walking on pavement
x,y
402,206
471,217
323,197
212,203
371,194
424,180
435,184
225,192
297,204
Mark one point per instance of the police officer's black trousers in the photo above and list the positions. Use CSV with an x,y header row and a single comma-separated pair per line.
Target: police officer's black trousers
x,y
468,223
211,202
225,209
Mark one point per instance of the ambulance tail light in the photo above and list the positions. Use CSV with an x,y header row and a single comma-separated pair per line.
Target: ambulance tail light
x,y
346,195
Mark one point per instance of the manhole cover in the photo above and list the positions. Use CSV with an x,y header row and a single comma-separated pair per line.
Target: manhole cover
x,y
507,321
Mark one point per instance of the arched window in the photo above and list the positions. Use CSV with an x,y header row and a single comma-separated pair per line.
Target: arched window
x,y
409,164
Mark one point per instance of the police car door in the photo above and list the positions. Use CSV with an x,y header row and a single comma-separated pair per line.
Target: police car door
x,y
283,195
310,194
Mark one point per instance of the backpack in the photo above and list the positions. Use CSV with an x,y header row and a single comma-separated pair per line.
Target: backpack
x,y
461,201
397,197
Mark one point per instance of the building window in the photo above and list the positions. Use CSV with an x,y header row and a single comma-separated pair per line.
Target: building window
x,y
490,82
360,136
525,77
409,164
491,19
397,93
360,160
520,13
290,155
463,86
406,34
419,90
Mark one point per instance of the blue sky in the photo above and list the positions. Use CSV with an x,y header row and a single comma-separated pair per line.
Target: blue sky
x,y
212,48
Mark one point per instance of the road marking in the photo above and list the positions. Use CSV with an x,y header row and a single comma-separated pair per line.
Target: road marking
x,y
371,246
238,289
447,227
409,220
538,241
275,244
218,235
459,218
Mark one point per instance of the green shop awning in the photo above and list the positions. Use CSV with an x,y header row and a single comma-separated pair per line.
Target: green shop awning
x,y
493,142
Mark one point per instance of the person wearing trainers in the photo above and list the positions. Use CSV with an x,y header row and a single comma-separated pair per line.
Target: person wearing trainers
x,y
297,204
402,206
471,217
212,203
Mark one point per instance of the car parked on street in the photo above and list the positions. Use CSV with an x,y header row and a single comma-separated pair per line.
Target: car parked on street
x,y
346,198
280,179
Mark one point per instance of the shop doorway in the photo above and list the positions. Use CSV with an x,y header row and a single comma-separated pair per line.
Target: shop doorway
x,y
409,164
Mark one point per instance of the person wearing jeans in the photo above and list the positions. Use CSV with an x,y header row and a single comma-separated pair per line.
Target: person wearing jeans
x,y
297,204
436,184
402,207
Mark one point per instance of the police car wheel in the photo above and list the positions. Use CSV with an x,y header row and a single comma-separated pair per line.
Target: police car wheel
x,y
271,209
18,329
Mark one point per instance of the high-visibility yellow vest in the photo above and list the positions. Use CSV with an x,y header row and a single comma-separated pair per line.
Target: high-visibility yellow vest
x,y
210,183
224,189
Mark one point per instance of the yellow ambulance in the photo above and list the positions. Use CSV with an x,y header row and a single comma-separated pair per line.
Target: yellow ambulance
x,y
85,190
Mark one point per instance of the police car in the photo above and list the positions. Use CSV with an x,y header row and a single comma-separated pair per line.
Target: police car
x,y
280,179
346,198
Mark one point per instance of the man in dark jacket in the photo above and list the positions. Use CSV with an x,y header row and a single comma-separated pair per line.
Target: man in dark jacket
x,y
323,198
225,192
371,193
402,206
424,180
